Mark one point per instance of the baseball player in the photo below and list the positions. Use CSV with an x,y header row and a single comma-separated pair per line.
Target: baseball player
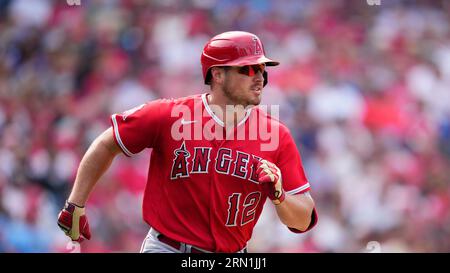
x,y
206,186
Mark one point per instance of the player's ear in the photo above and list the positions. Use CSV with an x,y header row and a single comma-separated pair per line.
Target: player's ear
x,y
217,75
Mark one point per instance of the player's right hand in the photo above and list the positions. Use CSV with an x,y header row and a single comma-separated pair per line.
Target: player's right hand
x,y
73,221
269,175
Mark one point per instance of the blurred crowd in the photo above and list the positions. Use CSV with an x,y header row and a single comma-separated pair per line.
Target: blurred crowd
x,y
364,89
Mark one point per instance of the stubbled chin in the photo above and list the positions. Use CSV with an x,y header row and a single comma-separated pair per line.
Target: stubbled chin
x,y
255,101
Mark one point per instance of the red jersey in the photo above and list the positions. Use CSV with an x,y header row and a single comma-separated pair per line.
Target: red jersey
x,y
202,190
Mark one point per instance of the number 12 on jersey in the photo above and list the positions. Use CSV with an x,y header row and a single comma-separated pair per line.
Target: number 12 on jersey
x,y
248,208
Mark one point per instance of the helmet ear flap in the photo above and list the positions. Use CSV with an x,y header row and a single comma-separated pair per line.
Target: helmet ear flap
x,y
266,79
208,77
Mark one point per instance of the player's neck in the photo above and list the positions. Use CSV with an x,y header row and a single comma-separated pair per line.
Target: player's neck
x,y
230,115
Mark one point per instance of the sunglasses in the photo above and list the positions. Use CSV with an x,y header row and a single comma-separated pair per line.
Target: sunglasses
x,y
251,70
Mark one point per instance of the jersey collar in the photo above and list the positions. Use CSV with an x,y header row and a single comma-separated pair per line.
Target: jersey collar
x,y
216,118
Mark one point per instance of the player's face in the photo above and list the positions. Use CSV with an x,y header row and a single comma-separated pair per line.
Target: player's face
x,y
243,85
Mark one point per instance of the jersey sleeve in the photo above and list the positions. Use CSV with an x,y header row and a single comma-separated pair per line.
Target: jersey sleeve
x,y
290,164
138,128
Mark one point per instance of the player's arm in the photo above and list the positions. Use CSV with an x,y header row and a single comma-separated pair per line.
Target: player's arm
x,y
94,164
132,131
72,219
296,211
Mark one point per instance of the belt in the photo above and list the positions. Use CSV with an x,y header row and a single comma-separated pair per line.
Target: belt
x,y
186,248
180,246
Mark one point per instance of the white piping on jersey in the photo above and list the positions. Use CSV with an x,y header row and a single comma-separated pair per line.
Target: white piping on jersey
x,y
216,118
247,114
299,189
119,140
210,112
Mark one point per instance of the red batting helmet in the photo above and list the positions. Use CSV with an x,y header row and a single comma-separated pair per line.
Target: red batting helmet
x,y
233,48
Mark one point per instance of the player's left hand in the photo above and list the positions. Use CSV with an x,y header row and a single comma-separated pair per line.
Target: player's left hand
x,y
269,175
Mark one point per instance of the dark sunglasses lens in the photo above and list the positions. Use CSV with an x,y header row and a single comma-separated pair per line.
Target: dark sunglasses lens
x,y
251,70
245,70
258,68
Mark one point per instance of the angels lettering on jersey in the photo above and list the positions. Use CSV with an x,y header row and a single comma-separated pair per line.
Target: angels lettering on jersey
x,y
235,163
